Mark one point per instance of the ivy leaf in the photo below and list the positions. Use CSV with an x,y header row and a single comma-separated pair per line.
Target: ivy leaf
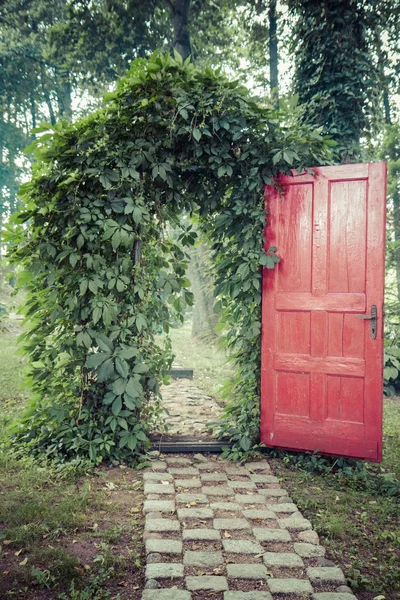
x,y
140,368
103,342
134,388
117,405
140,322
269,262
137,215
106,370
116,239
118,386
92,286
109,398
96,315
95,360
122,367
129,402
245,443
83,286
127,353
196,134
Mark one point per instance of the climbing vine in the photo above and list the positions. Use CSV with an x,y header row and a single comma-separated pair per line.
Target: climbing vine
x,y
101,273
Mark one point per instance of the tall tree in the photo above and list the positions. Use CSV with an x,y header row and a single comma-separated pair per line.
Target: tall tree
x,y
336,77
180,13
390,151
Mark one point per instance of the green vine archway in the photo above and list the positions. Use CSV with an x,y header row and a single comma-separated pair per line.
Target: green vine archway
x,y
101,272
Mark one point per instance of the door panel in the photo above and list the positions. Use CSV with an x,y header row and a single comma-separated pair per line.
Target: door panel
x,y
321,382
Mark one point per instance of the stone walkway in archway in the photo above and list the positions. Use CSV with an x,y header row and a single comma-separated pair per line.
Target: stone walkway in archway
x,y
190,410
216,530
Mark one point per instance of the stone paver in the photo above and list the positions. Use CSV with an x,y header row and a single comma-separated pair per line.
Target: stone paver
x,y
283,507
158,488
183,471
294,523
164,570
214,477
201,534
231,506
242,547
231,524
157,476
195,513
166,595
257,478
333,596
308,550
215,583
197,498
158,525
272,492
217,490
187,483
163,506
282,559
208,515
244,485
311,537
259,514
246,571
247,596
163,546
249,499
271,535
290,586
325,575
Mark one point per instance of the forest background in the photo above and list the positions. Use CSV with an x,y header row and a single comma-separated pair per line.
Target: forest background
x,y
79,538
339,59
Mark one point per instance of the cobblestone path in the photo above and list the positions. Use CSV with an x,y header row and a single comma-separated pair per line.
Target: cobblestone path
x,y
190,410
219,531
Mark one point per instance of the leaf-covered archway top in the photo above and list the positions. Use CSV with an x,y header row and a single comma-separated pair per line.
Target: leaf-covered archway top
x,y
102,275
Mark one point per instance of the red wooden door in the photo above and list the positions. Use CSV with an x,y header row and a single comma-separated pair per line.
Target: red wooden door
x,y
321,382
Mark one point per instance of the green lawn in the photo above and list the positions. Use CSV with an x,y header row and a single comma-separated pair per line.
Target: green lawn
x,y
209,361
88,529
13,395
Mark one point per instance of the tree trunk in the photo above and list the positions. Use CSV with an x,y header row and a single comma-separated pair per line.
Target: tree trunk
x,y
47,98
386,105
64,97
33,114
204,317
396,226
181,30
273,53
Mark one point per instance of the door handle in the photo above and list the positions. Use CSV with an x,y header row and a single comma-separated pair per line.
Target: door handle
x,y
373,317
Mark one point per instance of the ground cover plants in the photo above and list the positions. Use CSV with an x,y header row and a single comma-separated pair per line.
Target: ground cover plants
x,y
63,535
102,277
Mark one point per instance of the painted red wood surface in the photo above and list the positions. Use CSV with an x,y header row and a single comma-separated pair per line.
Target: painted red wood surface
x,y
321,382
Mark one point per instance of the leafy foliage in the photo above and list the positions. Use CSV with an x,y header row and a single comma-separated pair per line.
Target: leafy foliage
x,y
391,372
336,72
102,274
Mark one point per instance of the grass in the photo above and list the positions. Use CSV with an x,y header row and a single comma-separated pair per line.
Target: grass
x,y
359,527
212,368
76,538
13,395
80,538
360,530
